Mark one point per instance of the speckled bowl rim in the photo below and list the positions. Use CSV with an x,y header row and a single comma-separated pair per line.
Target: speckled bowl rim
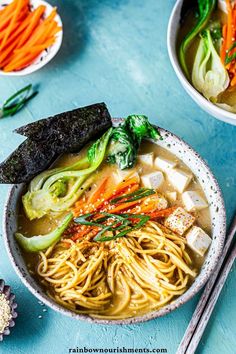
x,y
182,299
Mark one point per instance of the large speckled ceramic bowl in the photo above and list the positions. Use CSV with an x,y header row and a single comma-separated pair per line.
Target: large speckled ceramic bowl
x,y
218,220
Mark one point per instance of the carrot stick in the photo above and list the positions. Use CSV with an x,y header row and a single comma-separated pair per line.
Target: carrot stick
x,y
223,47
229,25
37,14
99,192
40,34
20,28
124,206
35,48
6,14
21,63
161,213
13,20
7,9
21,52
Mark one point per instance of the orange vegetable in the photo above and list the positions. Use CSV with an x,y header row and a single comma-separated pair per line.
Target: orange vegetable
x,y
13,20
161,213
229,38
24,34
37,14
99,191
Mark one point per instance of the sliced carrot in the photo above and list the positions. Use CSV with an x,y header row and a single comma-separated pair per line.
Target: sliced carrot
x,y
124,206
40,33
230,25
22,62
34,48
161,213
7,13
37,14
7,9
223,47
16,13
99,191
18,31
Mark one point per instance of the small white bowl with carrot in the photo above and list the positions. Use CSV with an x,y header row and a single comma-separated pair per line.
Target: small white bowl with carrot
x,y
30,36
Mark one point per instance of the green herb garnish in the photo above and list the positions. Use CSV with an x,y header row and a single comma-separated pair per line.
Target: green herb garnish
x,y
17,101
123,224
139,194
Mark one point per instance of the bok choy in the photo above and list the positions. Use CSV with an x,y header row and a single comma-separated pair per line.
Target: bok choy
x,y
57,190
41,242
205,9
126,140
209,75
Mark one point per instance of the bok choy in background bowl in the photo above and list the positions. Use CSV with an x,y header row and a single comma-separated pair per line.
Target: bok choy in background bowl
x,y
201,43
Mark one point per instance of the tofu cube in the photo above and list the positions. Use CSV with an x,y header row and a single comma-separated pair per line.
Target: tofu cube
x,y
121,175
179,221
164,164
172,196
153,180
179,179
198,240
146,159
193,201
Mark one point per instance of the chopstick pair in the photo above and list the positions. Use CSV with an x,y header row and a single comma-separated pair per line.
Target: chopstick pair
x,y
210,295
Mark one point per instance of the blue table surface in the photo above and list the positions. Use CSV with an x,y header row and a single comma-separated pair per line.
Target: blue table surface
x,y
115,51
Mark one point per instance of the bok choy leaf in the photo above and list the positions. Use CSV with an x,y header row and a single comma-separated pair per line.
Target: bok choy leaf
x,y
209,75
57,190
41,242
205,9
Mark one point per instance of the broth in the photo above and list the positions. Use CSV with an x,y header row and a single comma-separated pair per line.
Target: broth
x,y
229,95
47,223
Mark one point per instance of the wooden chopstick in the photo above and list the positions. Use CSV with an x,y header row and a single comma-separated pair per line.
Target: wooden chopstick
x,y
209,297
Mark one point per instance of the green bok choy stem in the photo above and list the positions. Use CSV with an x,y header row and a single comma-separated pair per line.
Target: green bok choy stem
x,y
41,242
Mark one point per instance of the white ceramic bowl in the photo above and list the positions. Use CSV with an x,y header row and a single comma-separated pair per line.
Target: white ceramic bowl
x,y
172,32
48,53
217,210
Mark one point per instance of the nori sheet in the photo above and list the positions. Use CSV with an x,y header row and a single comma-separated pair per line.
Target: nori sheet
x,y
50,137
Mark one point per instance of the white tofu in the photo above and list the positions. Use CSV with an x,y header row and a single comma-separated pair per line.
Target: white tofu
x,y
179,221
193,201
179,179
164,164
172,196
146,159
198,240
153,180
121,175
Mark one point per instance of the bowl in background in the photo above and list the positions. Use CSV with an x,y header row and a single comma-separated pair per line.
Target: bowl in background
x,y
172,33
218,221
46,55
10,297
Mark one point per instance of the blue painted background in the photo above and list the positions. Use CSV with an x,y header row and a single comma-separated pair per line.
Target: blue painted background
x,y
115,51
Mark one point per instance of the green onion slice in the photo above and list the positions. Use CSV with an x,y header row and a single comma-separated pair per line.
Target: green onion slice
x,y
14,103
140,193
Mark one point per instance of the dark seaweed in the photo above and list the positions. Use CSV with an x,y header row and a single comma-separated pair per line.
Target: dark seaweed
x,y
71,128
50,137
